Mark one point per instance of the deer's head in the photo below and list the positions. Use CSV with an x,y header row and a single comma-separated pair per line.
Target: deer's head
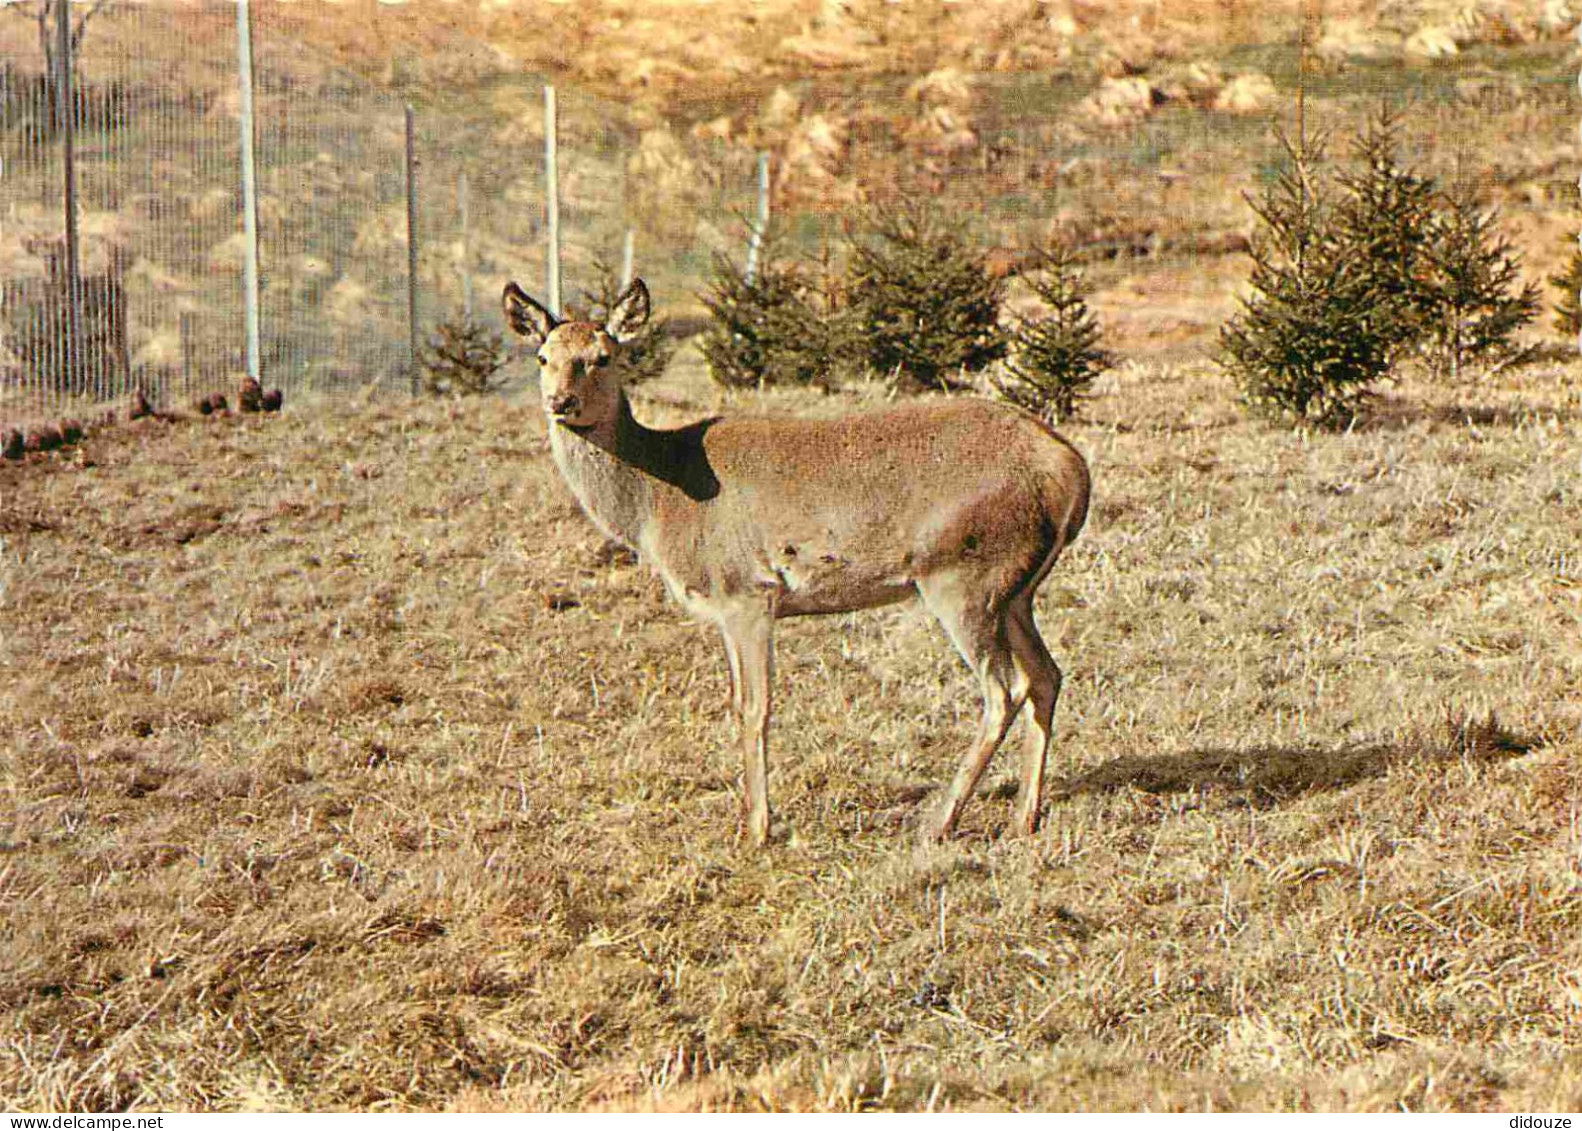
x,y
580,386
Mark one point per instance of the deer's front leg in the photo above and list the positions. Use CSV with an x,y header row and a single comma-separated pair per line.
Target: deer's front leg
x,y
749,641
733,660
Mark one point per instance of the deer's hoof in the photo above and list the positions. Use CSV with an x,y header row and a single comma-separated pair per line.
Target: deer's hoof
x,y
1023,825
756,829
932,832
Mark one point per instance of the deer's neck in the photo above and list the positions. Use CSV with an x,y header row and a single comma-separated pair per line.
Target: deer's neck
x,y
618,469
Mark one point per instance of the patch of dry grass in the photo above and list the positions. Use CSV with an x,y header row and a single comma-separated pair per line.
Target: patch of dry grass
x,y
342,767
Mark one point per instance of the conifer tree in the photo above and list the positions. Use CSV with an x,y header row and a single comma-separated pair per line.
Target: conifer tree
x,y
1568,311
767,329
1054,356
463,357
1470,292
923,297
1385,211
1315,333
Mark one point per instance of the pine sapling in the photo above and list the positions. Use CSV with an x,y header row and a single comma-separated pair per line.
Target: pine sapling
x,y
463,357
1473,299
1314,334
765,329
1053,356
1386,212
922,293
1568,310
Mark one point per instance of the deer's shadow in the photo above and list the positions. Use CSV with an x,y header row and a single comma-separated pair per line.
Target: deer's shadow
x,y
1269,775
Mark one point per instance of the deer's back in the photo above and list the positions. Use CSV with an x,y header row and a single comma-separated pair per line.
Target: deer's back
x,y
912,457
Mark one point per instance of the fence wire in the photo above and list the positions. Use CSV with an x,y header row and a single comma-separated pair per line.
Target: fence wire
x,y
157,147
1130,171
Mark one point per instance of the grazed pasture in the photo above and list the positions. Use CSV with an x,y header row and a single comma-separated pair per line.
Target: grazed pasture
x,y
343,766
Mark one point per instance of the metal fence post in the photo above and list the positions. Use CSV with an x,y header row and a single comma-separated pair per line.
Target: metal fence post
x,y
65,115
551,203
463,206
244,80
628,258
755,237
411,243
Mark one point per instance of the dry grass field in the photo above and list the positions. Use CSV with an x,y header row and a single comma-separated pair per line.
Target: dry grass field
x,y
344,767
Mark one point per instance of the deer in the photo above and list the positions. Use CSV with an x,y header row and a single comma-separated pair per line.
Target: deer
x,y
963,503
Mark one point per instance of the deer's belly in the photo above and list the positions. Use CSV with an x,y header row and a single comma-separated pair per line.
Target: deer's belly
x,y
806,577
838,599
813,584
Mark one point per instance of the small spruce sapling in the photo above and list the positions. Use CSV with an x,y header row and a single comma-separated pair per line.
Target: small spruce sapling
x,y
1315,332
1568,310
463,357
766,330
921,291
1053,356
1473,300
1385,215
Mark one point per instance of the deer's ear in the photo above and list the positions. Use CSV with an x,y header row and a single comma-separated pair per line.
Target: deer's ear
x,y
525,315
629,314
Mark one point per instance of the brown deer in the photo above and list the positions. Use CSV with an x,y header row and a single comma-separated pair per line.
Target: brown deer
x,y
964,503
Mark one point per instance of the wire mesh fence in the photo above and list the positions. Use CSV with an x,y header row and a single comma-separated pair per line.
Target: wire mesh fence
x,y
156,143
147,288
151,293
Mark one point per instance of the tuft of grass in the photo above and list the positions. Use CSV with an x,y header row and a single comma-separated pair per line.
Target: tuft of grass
x,y
331,789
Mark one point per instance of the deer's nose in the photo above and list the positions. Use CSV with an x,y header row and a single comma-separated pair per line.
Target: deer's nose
x,y
563,403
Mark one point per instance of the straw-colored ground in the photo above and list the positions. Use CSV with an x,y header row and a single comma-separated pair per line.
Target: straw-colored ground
x,y
343,766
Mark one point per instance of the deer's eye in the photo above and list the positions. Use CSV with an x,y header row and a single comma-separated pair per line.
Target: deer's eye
x,y
542,360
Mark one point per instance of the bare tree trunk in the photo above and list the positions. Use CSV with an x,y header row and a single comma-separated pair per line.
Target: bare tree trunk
x,y
46,47
44,19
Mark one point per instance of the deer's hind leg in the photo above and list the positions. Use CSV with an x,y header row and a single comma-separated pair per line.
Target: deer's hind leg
x,y
981,633
1037,670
